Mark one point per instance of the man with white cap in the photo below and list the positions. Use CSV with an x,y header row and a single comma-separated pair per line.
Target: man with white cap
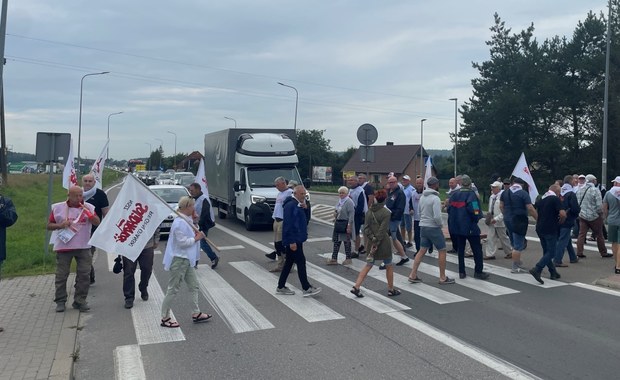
x,y
590,217
494,219
611,209
580,181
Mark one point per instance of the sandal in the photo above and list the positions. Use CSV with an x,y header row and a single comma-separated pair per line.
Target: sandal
x,y
202,317
169,323
357,292
617,270
394,292
414,280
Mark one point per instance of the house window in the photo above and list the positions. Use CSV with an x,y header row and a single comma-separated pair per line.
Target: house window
x,y
375,178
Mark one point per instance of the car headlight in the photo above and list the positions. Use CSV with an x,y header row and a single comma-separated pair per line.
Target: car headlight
x,y
308,196
258,199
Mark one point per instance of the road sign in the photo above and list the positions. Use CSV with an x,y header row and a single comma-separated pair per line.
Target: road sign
x,y
367,134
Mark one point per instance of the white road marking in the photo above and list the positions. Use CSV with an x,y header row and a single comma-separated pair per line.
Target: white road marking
x,y
597,289
401,282
314,240
306,307
231,247
128,363
237,312
146,316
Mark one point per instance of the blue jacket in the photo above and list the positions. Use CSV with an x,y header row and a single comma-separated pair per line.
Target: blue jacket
x,y
396,203
464,213
294,222
571,205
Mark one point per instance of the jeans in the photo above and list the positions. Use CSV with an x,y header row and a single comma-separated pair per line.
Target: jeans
x,y
564,242
129,269
208,250
549,244
476,248
416,234
294,257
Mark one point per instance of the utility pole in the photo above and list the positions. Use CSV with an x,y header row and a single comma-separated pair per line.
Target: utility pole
x,y
3,155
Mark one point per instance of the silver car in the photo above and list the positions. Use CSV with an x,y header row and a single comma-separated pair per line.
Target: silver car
x,y
171,195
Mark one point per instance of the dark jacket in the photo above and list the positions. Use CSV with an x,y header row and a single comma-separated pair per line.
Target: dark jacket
x,y
294,222
396,203
571,205
464,213
8,217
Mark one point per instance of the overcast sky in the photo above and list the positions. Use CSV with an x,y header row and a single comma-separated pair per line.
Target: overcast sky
x,y
184,66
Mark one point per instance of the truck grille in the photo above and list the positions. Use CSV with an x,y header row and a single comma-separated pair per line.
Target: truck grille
x,y
272,203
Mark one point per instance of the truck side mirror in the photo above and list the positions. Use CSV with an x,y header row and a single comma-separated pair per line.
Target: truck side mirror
x,y
238,186
307,183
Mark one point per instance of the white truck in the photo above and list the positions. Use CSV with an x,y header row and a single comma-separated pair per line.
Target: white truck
x,y
241,166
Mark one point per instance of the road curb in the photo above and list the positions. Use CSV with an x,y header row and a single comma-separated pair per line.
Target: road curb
x,y
66,355
612,282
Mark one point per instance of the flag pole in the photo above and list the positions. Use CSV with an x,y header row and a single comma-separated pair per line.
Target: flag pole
x,y
174,211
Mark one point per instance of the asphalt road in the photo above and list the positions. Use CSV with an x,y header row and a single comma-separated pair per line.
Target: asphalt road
x,y
507,327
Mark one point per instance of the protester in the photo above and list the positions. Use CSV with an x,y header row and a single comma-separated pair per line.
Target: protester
x,y
8,217
182,252
464,213
495,222
415,204
550,217
294,234
590,217
396,204
406,226
611,209
370,199
73,219
356,193
99,199
145,259
431,230
204,219
376,229
571,206
452,187
515,204
345,211
284,192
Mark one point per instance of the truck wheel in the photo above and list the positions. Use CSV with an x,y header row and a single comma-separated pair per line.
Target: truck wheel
x,y
249,225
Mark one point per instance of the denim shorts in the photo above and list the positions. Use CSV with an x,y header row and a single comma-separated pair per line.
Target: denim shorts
x,y
613,234
385,261
406,222
394,226
432,237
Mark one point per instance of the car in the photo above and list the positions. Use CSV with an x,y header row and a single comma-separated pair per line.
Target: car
x,y
151,177
177,176
164,179
171,195
186,180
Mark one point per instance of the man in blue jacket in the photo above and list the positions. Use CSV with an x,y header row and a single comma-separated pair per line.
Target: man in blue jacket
x,y
571,205
294,234
396,204
464,212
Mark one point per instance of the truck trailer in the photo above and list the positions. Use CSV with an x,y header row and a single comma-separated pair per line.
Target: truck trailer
x,y
241,166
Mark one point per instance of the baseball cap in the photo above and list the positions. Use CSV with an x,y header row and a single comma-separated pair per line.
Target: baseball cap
x,y
407,177
432,181
617,179
581,176
590,177
506,181
496,184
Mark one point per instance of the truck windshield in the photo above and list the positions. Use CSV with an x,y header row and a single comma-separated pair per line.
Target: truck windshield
x,y
264,177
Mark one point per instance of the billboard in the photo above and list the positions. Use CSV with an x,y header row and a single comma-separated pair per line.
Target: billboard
x,y
322,174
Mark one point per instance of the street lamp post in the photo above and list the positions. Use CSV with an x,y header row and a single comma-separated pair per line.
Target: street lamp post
x,y
108,150
149,167
296,103
456,139
230,118
161,146
422,147
175,149
80,118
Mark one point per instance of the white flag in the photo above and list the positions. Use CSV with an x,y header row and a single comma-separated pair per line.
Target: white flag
x,y
428,173
69,178
522,171
202,180
132,220
97,169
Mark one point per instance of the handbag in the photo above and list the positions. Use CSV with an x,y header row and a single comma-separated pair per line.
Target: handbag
x,y
487,219
340,226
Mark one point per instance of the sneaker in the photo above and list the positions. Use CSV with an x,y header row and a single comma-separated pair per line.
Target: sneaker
x,y
447,281
382,266
555,276
518,270
60,307
80,306
214,262
402,261
347,262
607,255
451,251
355,255
414,280
481,276
462,275
409,245
332,262
574,261
128,304
144,295
311,291
285,291
361,250
536,275
489,258
271,255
